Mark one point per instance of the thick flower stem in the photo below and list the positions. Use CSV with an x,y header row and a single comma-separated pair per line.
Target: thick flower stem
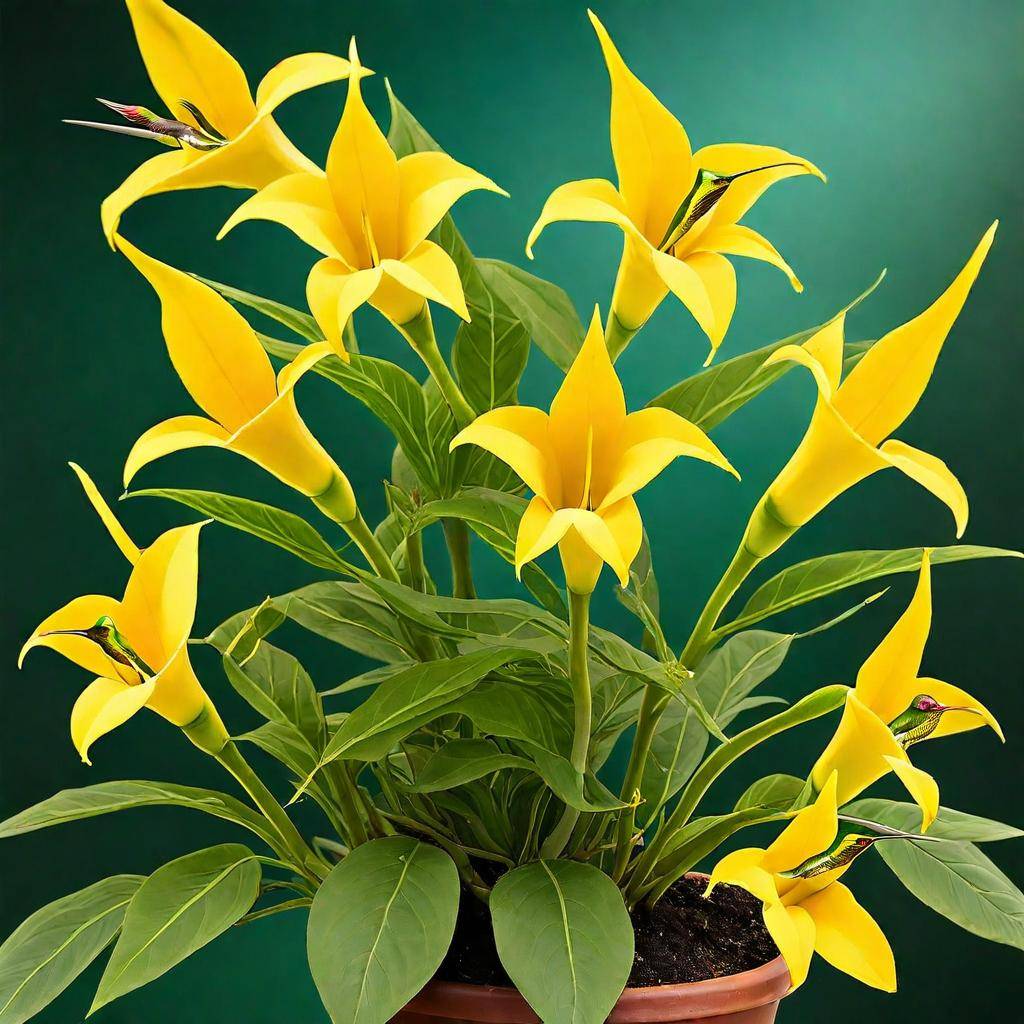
x,y
456,534
302,856
372,549
419,332
579,679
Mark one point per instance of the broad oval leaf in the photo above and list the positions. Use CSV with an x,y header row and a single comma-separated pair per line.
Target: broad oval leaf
x,y
777,792
949,824
461,761
565,938
45,953
380,926
177,910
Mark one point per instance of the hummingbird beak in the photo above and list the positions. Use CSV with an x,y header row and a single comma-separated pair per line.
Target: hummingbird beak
x,y
767,167
953,707
67,632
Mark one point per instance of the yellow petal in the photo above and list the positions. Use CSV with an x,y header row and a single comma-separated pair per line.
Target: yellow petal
x,y
734,157
652,439
178,695
101,707
118,534
186,63
826,347
363,174
689,288
519,436
626,529
650,147
849,939
887,681
159,604
291,373
323,287
920,785
811,832
739,240
953,722
214,350
792,929
173,435
593,199
303,204
81,613
429,271
588,415
429,186
719,279
745,869
581,564
932,474
153,176
532,528
297,74
885,386
806,356
639,288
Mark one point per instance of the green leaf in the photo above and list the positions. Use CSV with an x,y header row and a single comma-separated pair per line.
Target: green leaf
x,y
177,910
677,748
817,577
490,352
515,710
461,761
406,135
545,309
380,926
584,793
286,744
949,824
108,797
45,953
777,792
301,323
410,699
275,525
565,938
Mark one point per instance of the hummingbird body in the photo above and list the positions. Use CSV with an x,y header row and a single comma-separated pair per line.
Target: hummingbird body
x,y
920,719
130,668
147,125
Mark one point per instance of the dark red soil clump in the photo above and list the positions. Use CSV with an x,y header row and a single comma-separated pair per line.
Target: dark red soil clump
x,y
684,938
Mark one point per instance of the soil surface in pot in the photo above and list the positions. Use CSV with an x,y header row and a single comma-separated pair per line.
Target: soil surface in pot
x,y
685,938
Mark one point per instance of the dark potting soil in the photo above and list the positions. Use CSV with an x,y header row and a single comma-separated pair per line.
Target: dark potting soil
x,y
685,938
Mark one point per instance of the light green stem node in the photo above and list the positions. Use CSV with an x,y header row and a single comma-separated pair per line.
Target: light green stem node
x,y
207,731
766,531
617,336
338,501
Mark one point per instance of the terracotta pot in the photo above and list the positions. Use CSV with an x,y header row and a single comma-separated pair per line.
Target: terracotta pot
x,y
748,998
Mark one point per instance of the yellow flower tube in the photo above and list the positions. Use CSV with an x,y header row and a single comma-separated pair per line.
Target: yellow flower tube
x,y
891,708
847,437
679,211
806,908
188,68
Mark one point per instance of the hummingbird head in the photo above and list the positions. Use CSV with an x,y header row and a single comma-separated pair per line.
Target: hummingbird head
x,y
105,634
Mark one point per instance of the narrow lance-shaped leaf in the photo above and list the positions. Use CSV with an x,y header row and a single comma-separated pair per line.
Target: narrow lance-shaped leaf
x,y
463,760
301,323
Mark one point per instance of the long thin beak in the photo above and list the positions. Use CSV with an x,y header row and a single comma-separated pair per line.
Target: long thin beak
x,y
67,632
125,129
950,707
767,167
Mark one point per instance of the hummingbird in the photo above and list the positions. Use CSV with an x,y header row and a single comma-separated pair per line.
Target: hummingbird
x,y
147,125
854,837
130,668
921,719
707,190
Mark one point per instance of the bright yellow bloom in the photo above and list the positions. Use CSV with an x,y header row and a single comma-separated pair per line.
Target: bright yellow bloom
x,y
659,180
136,647
846,440
584,461
224,368
891,708
186,65
815,914
370,217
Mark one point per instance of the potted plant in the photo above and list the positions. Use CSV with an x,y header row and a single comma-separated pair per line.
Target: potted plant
x,y
476,861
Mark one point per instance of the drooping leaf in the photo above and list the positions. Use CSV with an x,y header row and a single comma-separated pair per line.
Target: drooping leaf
x,y
778,792
108,797
45,953
949,824
565,938
275,525
301,323
818,577
379,927
177,910
584,793
513,710
286,744
462,760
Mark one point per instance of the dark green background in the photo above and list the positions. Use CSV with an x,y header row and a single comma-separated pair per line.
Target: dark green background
x,y
911,108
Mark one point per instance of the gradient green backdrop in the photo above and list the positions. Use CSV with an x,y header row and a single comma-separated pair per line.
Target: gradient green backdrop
x,y
913,111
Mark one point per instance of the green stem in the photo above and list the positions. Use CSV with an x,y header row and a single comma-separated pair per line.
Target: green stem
x,y
303,857
349,804
579,680
456,535
416,562
372,549
349,337
419,332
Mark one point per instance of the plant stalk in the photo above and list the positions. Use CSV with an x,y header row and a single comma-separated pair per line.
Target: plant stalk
x,y
419,332
456,535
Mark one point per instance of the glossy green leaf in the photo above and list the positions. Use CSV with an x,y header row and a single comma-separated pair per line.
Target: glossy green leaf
x,y
584,793
295,320
108,797
405,134
463,760
45,953
274,525
489,353
177,910
565,938
779,792
949,824
286,744
379,927
512,710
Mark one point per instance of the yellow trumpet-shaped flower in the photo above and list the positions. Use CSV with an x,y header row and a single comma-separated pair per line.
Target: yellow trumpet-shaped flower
x,y
136,647
370,217
891,708
193,73
846,439
679,211
224,368
584,461
807,910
